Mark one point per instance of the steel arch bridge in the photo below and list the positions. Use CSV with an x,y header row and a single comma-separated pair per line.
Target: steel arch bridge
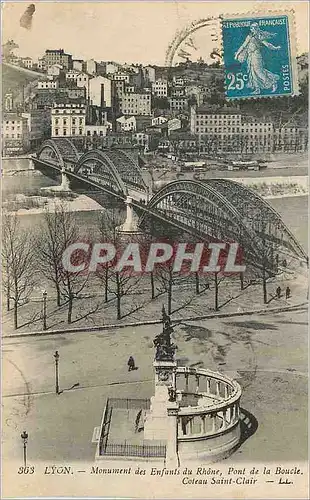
x,y
58,151
115,170
224,210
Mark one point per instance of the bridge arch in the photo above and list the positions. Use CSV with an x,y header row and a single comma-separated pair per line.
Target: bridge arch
x,y
113,168
58,151
227,212
98,166
257,212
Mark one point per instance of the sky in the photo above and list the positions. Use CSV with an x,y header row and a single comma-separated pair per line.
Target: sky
x,y
124,31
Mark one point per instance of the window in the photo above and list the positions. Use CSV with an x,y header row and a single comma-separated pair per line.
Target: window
x,y
56,131
65,131
80,131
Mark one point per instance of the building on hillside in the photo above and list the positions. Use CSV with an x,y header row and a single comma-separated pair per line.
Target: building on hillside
x,y
27,62
90,67
179,81
72,75
8,102
137,79
119,89
68,119
117,139
158,120
112,67
149,73
177,92
228,130
178,104
58,56
174,124
76,93
82,81
55,70
47,83
96,130
15,134
121,76
160,88
197,93
133,123
41,64
130,89
39,126
77,64
140,139
136,103
291,138
101,91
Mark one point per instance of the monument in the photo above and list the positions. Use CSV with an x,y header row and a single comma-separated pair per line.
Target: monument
x,y
193,415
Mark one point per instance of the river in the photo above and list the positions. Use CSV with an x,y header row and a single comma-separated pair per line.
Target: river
x,y
19,178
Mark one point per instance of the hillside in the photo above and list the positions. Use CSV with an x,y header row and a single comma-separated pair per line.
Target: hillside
x,y
14,79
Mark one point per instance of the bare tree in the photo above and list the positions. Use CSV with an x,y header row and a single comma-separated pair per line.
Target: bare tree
x,y
164,274
18,263
58,231
50,249
117,282
107,223
218,279
72,283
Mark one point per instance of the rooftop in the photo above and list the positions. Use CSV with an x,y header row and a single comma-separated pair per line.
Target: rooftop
x,y
12,116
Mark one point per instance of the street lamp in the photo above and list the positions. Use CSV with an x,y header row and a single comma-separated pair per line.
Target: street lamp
x,y
24,437
56,356
44,293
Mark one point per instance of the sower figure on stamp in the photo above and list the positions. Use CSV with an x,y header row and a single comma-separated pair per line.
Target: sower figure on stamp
x,y
251,52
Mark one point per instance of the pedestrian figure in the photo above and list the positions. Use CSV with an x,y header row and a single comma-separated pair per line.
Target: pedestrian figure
x,y
278,292
287,292
131,363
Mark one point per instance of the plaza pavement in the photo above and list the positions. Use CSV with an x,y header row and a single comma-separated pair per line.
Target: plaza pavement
x,y
267,354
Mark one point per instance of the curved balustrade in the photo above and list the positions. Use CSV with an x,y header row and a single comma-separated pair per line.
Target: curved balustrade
x,y
208,410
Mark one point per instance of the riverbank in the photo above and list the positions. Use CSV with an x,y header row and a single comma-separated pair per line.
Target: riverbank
x,y
80,203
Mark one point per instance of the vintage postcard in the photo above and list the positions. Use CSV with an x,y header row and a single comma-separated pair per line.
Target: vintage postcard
x,y
155,249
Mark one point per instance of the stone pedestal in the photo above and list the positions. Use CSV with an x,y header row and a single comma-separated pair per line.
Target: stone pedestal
x,y
131,223
156,424
172,458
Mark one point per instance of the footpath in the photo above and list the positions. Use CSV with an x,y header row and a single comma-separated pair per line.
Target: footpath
x,y
91,313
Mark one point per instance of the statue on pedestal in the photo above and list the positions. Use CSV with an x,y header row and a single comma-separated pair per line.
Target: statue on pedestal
x,y
165,349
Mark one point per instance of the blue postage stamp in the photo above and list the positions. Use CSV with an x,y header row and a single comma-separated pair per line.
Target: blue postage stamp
x,y
259,55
